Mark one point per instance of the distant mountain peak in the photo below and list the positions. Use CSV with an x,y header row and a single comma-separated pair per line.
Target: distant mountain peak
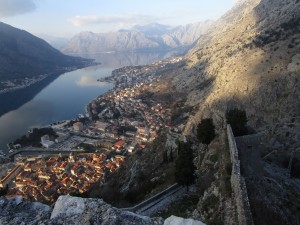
x,y
153,28
153,36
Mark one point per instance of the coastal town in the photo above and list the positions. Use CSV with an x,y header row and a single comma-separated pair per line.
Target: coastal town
x,y
90,147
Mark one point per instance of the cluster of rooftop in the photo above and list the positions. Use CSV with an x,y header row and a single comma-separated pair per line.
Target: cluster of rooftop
x,y
44,179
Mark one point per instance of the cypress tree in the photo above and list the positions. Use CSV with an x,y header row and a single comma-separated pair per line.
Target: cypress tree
x,y
184,166
206,131
238,121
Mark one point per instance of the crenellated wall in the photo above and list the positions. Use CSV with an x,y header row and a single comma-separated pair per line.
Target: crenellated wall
x,y
238,183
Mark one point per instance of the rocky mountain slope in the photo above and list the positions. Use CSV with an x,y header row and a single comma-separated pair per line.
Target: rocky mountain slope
x,y
248,59
139,38
24,55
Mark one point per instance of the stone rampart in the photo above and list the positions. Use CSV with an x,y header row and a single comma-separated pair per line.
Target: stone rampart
x,y
238,183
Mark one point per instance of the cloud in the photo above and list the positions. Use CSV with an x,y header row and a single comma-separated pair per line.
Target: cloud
x,y
125,19
10,8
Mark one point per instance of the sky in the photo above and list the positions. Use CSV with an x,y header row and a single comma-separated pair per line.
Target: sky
x,y
66,18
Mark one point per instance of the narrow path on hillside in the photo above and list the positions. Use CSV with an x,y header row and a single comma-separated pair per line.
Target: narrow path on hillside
x,y
159,201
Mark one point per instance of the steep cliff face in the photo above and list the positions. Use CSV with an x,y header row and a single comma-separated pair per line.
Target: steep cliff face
x,y
248,59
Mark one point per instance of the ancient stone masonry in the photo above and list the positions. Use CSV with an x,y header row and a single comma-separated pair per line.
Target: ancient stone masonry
x,y
238,184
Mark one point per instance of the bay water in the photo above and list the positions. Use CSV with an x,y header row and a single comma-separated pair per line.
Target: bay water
x,y
66,96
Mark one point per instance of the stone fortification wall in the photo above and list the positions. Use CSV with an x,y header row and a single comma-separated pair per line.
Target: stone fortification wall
x,y
238,183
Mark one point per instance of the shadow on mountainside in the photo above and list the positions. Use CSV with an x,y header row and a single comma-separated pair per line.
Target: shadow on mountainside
x,y
255,66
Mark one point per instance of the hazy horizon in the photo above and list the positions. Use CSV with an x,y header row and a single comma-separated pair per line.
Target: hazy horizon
x,y
65,19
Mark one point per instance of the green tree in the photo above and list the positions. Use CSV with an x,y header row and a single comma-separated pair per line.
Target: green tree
x,y
206,131
238,121
184,166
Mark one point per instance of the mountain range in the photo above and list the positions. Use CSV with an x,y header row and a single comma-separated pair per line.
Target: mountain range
x,y
151,37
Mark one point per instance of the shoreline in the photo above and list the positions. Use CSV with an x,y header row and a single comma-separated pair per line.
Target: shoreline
x,y
26,93
85,111
42,77
143,76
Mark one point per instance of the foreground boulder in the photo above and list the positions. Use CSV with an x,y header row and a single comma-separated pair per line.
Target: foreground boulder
x,y
17,211
68,210
76,211
174,220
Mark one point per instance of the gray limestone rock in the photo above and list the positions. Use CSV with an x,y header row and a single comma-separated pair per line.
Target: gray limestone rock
x,y
174,220
68,210
74,210
16,211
